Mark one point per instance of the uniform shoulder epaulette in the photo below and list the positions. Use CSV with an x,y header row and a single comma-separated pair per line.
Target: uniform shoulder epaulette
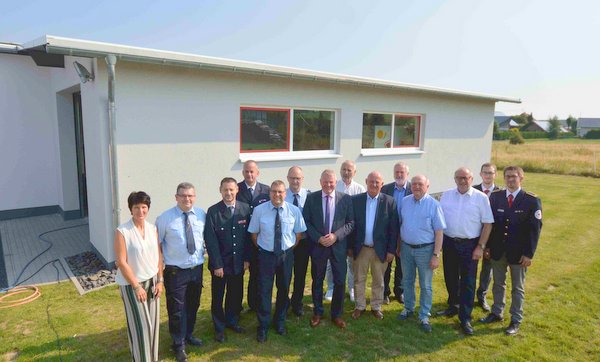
x,y
531,194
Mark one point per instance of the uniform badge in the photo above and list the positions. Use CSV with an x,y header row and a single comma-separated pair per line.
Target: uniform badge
x,y
538,214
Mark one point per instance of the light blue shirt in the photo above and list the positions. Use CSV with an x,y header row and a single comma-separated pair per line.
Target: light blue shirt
x,y
289,197
171,234
263,224
420,220
371,212
399,194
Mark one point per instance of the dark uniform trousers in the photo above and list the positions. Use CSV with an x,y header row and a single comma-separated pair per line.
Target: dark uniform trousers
x,y
279,268
460,274
301,254
485,278
233,301
183,290
397,279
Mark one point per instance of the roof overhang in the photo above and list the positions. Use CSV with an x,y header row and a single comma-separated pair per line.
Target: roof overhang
x,y
53,45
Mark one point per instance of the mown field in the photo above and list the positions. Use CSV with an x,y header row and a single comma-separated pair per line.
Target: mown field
x,y
570,156
562,310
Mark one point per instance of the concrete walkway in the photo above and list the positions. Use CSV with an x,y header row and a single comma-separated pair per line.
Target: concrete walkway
x,y
22,241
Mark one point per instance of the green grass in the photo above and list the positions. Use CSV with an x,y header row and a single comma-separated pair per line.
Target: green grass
x,y
562,310
570,156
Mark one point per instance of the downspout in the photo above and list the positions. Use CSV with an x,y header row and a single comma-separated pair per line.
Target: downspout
x,y
111,60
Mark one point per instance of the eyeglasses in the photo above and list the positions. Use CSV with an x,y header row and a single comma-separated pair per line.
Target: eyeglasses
x,y
186,196
488,172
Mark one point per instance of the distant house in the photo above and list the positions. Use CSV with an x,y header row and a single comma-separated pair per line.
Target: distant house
x,y
541,126
584,125
505,123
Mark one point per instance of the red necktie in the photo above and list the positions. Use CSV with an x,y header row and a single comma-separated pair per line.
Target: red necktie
x,y
486,191
510,200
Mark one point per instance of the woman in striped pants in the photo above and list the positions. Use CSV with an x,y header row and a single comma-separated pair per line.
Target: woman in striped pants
x,y
140,277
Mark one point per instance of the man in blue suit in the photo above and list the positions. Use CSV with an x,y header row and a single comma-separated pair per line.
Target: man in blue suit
x,y
252,193
514,239
374,242
329,220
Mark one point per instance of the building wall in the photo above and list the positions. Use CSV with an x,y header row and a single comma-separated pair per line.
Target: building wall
x,y
28,136
178,124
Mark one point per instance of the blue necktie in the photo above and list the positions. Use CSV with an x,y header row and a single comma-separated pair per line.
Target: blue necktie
x,y
277,239
189,234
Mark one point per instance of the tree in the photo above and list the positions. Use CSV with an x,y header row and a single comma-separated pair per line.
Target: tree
x,y
554,129
522,118
572,123
515,137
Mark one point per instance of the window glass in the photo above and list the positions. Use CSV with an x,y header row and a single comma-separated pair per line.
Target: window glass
x,y
313,130
406,131
265,130
377,130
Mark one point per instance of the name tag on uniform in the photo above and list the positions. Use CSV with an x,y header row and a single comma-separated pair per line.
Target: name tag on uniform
x,y
242,221
500,210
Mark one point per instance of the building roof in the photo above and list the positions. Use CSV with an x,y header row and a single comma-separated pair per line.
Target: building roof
x,y
588,123
545,125
65,46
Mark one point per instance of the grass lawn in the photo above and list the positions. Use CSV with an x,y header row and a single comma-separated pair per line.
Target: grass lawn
x,y
570,156
562,310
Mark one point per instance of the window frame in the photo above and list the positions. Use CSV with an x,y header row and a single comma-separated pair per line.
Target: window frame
x,y
402,149
289,153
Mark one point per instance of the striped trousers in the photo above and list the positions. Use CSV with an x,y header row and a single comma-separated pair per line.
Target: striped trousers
x,y
143,322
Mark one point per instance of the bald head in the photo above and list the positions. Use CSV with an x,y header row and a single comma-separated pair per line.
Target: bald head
x,y
374,183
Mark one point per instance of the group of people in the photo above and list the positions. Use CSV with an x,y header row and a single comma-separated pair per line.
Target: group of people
x,y
344,230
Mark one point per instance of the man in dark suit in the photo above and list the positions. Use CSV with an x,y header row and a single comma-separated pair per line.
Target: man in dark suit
x,y
252,193
398,189
514,238
487,186
329,220
374,242
228,246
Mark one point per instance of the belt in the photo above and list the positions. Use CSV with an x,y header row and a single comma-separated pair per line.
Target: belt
x,y
178,268
460,240
368,246
418,246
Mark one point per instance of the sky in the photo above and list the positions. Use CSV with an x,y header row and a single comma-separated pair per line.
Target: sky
x,y
544,52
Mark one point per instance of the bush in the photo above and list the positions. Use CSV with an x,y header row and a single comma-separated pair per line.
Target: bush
x,y
515,137
593,134
504,135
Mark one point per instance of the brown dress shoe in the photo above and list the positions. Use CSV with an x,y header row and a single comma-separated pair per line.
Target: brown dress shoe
x,y
315,320
357,313
377,314
339,322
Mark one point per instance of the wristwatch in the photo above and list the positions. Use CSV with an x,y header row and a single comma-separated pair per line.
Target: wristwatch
x,y
437,255
481,246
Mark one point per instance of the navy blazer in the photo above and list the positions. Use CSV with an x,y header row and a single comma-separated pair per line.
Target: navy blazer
x,y
261,194
388,189
480,187
516,230
385,230
342,226
227,241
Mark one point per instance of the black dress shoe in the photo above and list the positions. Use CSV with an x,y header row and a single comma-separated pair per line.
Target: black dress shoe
x,y
237,329
483,304
400,298
220,337
193,341
181,356
298,312
467,328
491,318
281,330
449,312
513,329
261,336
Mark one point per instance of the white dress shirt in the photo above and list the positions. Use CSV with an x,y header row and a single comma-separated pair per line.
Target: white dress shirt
x,y
465,213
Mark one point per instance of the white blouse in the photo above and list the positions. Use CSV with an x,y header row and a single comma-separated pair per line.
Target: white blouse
x,y
142,253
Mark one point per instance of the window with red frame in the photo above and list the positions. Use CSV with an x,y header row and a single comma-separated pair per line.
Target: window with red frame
x,y
284,130
384,130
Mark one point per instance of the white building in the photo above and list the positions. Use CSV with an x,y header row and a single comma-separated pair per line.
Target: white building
x,y
181,117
